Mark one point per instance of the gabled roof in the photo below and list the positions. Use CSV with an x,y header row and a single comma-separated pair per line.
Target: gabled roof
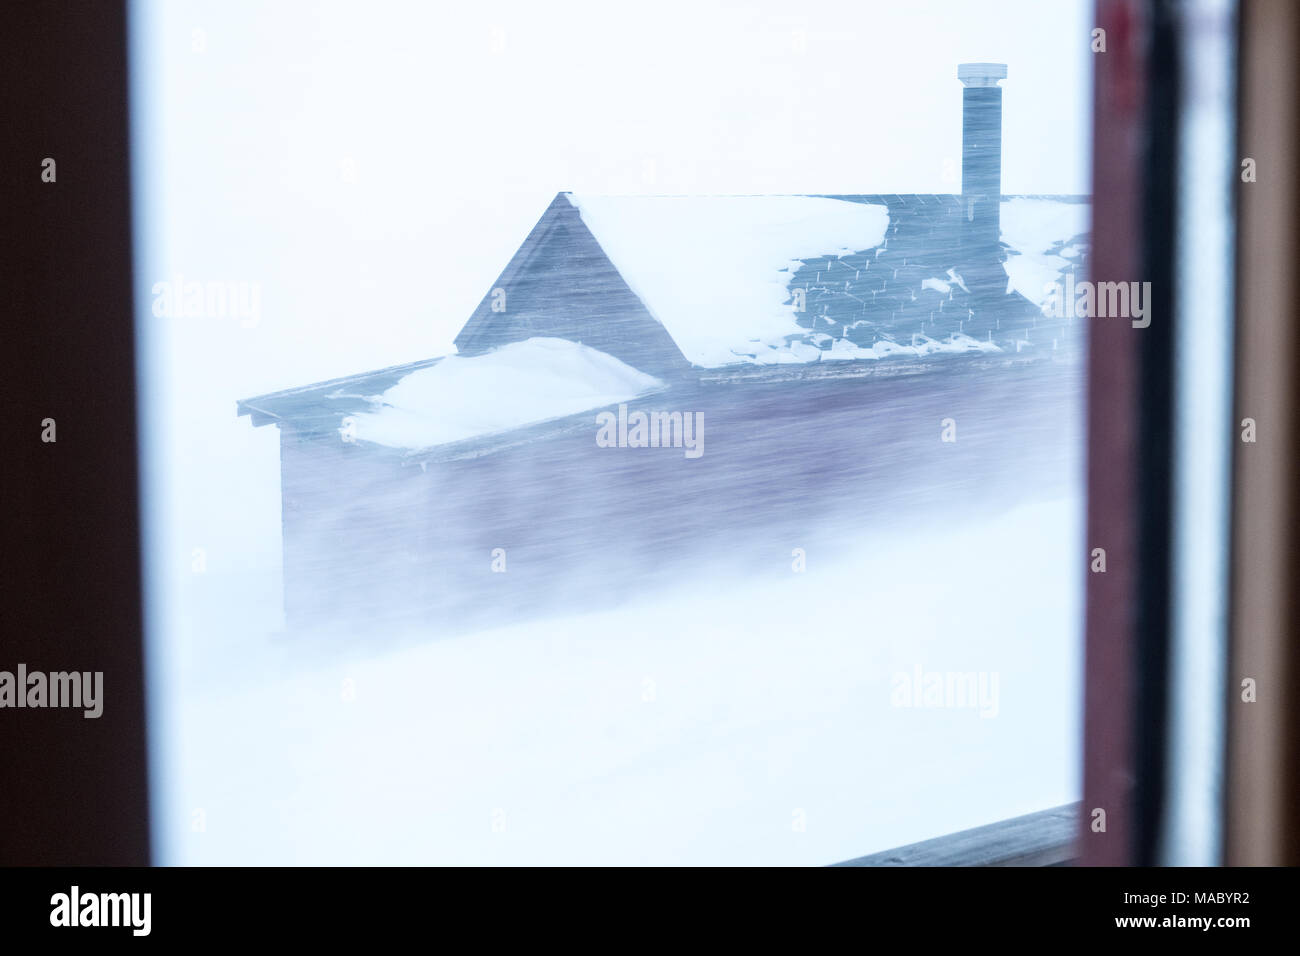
x,y
773,279
715,271
676,285
560,283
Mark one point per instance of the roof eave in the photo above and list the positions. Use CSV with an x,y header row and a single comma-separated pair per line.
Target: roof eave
x,y
276,407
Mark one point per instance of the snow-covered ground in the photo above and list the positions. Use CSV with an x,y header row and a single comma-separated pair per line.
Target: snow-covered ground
x,y
742,722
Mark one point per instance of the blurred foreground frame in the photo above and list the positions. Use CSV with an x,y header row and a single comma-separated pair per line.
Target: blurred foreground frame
x,y
1262,783
72,791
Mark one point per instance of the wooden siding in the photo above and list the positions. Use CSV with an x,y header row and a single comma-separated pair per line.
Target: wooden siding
x,y
373,534
561,284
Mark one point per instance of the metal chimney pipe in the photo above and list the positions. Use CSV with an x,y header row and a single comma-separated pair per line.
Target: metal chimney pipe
x,y
981,166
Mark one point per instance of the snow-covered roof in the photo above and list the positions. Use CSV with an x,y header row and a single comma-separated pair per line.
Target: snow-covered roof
x,y
720,273
1038,232
518,384
611,296
715,270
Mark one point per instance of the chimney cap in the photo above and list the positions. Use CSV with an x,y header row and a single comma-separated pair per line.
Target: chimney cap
x,y
981,74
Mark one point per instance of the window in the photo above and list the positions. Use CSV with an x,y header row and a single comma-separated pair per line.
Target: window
x,y
616,464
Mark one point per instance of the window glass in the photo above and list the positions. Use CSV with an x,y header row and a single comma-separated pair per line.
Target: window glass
x,y
576,434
